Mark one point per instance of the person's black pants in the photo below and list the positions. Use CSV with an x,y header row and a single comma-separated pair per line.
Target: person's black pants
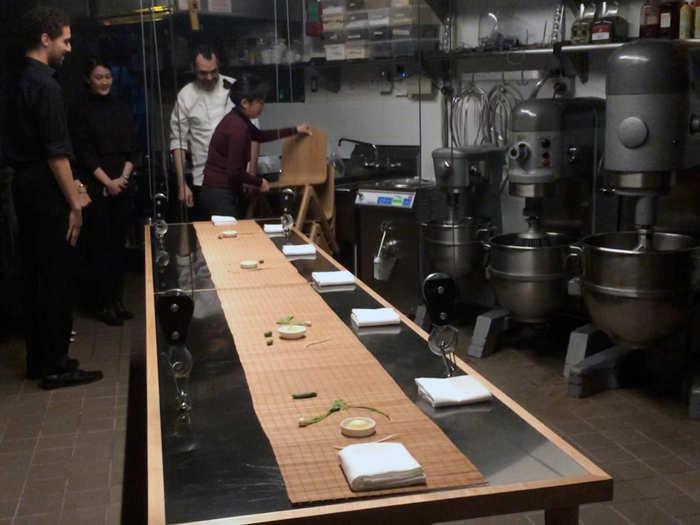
x,y
107,223
219,201
48,265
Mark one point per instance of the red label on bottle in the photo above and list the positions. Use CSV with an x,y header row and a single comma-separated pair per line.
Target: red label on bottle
x,y
600,32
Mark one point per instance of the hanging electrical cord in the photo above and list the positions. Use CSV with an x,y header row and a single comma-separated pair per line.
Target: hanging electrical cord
x,y
176,110
290,54
146,106
156,54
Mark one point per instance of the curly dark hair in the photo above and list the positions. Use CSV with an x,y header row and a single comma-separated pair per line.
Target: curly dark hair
x,y
40,20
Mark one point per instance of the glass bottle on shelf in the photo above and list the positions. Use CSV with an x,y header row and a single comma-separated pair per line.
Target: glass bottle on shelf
x,y
581,28
649,20
610,26
685,22
669,18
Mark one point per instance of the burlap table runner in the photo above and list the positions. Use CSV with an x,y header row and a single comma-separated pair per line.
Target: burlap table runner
x,y
331,361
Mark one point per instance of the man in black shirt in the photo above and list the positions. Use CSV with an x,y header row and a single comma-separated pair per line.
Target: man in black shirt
x,y
48,207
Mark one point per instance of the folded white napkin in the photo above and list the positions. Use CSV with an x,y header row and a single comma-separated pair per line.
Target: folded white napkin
x,y
223,220
331,289
299,249
273,228
333,278
394,329
374,316
459,390
373,466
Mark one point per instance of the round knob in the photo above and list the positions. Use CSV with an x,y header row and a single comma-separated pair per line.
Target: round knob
x,y
519,152
545,143
632,132
440,290
175,335
446,164
174,308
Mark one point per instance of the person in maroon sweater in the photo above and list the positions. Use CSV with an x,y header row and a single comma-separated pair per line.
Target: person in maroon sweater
x,y
229,150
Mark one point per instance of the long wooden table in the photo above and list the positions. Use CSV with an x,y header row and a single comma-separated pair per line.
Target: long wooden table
x,y
216,466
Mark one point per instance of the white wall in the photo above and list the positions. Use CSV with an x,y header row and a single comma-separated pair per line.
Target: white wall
x,y
359,111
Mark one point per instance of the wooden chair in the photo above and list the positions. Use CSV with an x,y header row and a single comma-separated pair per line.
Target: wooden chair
x,y
304,167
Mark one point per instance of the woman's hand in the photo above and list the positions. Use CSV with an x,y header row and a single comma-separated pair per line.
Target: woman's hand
x,y
304,129
115,186
264,186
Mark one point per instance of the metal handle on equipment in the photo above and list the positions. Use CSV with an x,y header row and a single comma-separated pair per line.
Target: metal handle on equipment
x,y
486,245
575,253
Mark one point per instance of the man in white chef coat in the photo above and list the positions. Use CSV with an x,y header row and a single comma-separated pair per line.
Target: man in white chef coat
x,y
200,106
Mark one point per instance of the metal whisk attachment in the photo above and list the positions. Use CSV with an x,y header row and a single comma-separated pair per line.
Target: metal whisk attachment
x,y
442,342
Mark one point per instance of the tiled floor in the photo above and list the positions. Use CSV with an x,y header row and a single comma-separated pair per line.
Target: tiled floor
x,y
645,441
62,452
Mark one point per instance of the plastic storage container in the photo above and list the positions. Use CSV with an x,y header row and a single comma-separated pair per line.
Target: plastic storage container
x,y
332,7
379,17
356,20
380,33
356,50
415,32
353,35
377,4
413,15
334,51
333,37
334,23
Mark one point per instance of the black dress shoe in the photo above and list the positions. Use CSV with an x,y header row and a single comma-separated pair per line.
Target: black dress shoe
x,y
109,316
70,378
34,373
122,312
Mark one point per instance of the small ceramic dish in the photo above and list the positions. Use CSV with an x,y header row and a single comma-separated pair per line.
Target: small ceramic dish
x,y
358,426
292,331
249,264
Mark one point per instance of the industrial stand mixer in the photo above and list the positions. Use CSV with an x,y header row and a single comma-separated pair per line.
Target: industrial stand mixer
x,y
554,140
468,179
639,286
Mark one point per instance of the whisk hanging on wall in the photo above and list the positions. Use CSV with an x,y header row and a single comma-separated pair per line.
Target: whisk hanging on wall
x,y
469,120
501,100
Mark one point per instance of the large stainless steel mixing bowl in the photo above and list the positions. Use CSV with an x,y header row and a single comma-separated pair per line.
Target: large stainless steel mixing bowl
x,y
529,281
639,297
455,249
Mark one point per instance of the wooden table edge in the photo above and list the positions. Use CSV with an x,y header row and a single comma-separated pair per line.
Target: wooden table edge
x,y
445,505
154,445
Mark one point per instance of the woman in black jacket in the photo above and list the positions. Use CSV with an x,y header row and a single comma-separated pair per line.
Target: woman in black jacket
x,y
106,147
